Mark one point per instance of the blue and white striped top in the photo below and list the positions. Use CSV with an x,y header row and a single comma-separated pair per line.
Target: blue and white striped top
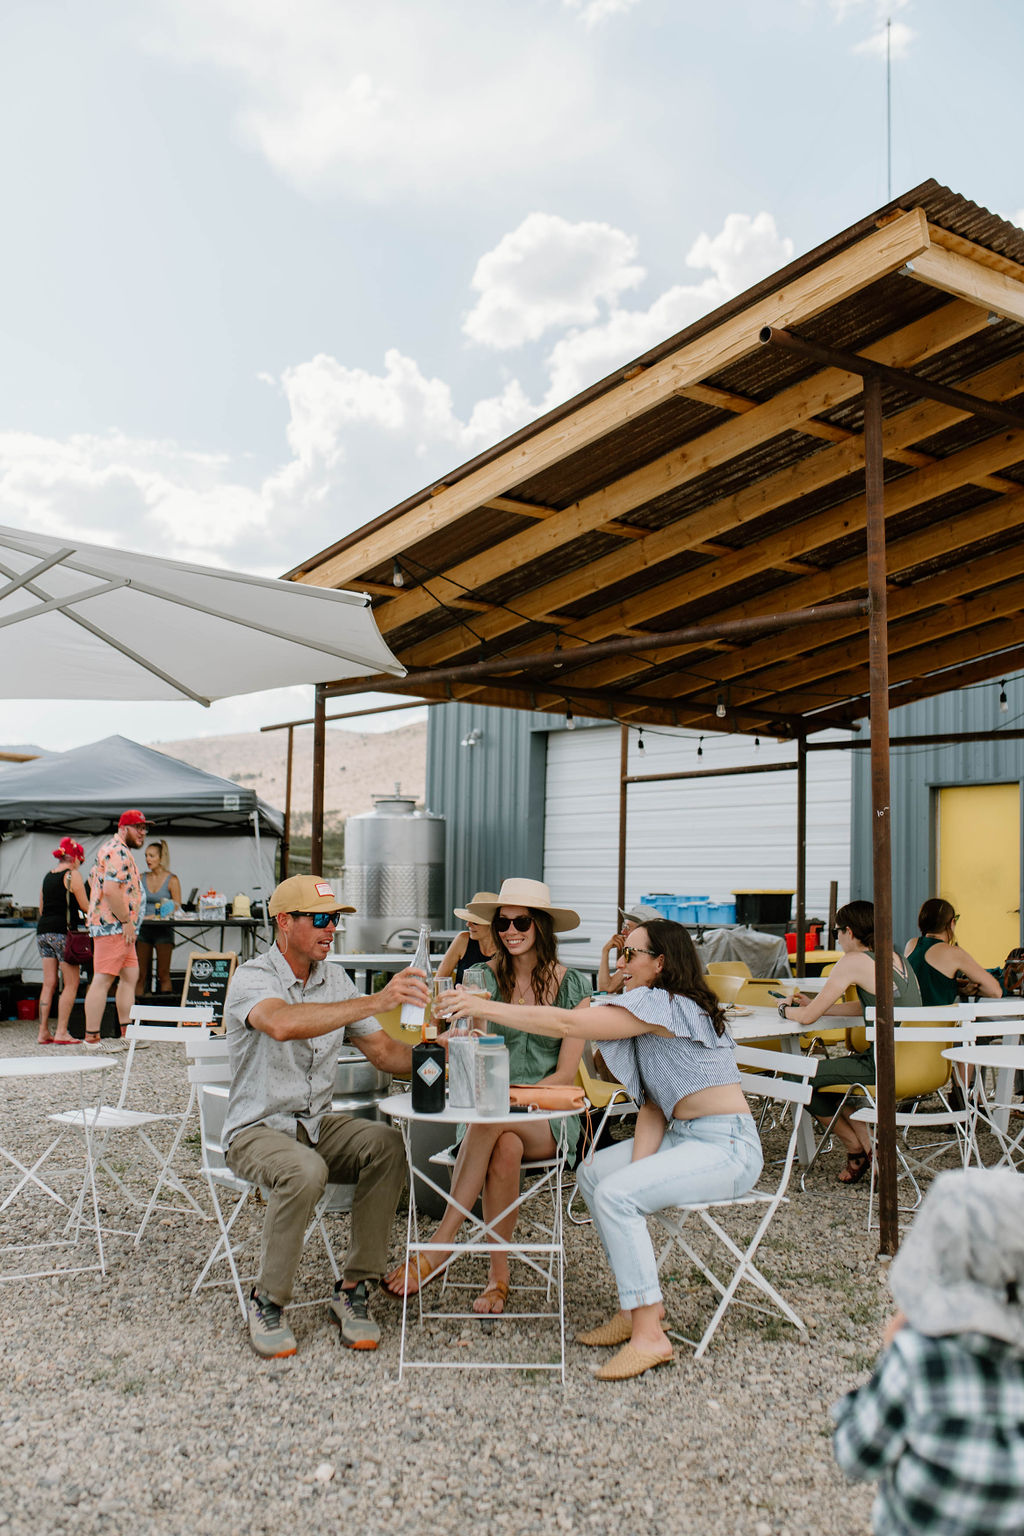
x,y
666,1070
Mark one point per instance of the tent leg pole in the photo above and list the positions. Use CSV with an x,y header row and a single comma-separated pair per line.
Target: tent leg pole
x,y
801,853
881,816
316,845
286,839
264,895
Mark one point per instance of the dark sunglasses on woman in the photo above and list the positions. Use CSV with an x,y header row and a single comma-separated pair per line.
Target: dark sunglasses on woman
x,y
520,924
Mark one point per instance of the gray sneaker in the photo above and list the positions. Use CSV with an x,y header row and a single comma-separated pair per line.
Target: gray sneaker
x,y
349,1310
269,1334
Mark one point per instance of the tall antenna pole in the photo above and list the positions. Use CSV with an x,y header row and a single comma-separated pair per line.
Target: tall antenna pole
x,y
888,101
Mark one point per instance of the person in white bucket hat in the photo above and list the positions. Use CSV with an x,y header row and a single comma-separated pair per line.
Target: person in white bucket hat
x,y
941,1422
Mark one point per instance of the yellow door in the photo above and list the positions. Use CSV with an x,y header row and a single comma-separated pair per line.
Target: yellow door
x,y
979,866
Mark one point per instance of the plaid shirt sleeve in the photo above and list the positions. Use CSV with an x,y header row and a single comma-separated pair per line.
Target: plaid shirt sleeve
x,y
871,1421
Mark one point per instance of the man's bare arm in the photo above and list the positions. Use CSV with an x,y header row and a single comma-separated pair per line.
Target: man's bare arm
x,y
304,1021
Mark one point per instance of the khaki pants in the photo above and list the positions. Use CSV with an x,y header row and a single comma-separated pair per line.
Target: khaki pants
x,y
349,1151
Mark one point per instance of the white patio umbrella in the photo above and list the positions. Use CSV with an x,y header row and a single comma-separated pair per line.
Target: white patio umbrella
x,y
81,621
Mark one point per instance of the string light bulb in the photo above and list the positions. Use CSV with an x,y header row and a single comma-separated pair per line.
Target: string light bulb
x,y
720,706
570,718
640,740
700,747
397,575
757,743
1003,705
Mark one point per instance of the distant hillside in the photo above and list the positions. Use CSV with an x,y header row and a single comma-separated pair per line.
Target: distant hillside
x,y
359,766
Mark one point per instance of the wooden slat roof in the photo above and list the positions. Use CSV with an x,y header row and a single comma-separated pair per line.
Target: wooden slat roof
x,y
718,478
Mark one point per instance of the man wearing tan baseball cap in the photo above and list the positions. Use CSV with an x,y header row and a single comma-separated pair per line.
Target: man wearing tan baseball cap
x,y
287,1012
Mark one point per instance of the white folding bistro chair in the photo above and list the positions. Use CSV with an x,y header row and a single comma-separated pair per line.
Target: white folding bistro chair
x,y
785,1079
210,1075
166,1026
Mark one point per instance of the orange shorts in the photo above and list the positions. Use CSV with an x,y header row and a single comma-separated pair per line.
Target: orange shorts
x,y
111,955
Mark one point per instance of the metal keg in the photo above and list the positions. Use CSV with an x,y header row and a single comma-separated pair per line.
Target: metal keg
x,y
394,873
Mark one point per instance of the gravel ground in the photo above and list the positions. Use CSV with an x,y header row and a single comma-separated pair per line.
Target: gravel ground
x,y
127,1407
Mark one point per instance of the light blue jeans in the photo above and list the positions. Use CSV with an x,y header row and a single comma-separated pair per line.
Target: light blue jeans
x,y
715,1157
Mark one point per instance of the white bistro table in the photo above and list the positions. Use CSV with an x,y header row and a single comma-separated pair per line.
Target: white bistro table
x,y
1005,1061
546,1258
15,1068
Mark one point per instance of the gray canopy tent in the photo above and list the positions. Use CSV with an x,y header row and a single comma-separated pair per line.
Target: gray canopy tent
x,y
220,833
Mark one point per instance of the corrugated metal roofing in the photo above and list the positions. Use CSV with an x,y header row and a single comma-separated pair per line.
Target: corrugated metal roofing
x,y
718,478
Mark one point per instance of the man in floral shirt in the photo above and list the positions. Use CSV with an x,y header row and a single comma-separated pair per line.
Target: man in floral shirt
x,y
115,906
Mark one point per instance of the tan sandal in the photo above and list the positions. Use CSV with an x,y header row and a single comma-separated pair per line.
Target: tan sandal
x,y
406,1279
617,1330
630,1362
497,1290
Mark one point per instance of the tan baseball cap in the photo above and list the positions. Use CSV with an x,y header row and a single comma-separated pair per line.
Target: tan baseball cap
x,y
306,893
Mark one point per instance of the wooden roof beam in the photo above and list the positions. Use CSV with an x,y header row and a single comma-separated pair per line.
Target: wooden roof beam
x,y
817,470
965,278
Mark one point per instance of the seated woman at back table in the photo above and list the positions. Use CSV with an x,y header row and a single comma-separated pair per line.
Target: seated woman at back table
x,y
664,1038
855,925
524,971
609,978
158,884
474,946
936,957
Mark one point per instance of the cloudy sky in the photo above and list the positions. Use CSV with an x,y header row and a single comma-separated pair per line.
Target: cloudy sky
x,y
270,266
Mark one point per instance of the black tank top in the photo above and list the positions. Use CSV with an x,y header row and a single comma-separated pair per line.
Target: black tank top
x,y
474,956
53,916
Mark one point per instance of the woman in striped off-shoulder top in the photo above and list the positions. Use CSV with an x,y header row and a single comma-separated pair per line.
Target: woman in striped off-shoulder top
x,y
664,1038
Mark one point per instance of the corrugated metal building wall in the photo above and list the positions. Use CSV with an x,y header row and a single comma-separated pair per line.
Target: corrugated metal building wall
x,y
491,794
701,837
918,773
532,798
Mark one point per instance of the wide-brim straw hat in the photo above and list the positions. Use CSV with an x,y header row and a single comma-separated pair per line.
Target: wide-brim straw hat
x,y
960,1268
525,893
465,916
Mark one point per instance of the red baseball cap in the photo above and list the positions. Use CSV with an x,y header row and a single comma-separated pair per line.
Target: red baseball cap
x,y
132,819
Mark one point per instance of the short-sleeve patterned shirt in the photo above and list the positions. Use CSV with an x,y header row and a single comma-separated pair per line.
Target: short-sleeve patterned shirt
x,y
113,862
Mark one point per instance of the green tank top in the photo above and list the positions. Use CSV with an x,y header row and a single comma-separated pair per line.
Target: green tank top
x,y
905,991
936,990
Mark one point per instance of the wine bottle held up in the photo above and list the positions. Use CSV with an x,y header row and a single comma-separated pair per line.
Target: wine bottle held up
x,y
413,1016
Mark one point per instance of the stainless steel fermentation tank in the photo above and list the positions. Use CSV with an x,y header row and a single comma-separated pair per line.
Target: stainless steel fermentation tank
x,y
393,874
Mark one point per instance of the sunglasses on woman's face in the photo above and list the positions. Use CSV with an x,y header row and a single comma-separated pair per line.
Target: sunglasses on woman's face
x,y
520,924
320,919
630,951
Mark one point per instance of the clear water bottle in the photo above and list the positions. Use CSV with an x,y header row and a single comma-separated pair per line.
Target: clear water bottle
x,y
413,1016
491,1076
461,1065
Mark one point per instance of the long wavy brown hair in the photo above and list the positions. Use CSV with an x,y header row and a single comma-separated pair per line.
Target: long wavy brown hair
x,y
682,972
544,976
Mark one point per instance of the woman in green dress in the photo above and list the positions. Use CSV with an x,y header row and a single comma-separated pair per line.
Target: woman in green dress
x,y
524,970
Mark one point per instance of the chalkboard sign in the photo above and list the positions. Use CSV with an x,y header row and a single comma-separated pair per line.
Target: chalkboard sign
x,y
206,981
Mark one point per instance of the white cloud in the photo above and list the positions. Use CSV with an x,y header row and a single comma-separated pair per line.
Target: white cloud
x,y
360,441
744,250
549,273
397,96
879,42
594,12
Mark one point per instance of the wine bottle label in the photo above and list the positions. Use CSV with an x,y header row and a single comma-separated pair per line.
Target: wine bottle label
x,y
429,1071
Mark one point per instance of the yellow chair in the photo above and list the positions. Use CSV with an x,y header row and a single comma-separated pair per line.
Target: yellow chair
x,y
757,992
614,1102
728,968
726,987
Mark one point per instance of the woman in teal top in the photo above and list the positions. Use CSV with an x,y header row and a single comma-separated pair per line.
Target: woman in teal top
x,y
936,957
855,924
524,970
